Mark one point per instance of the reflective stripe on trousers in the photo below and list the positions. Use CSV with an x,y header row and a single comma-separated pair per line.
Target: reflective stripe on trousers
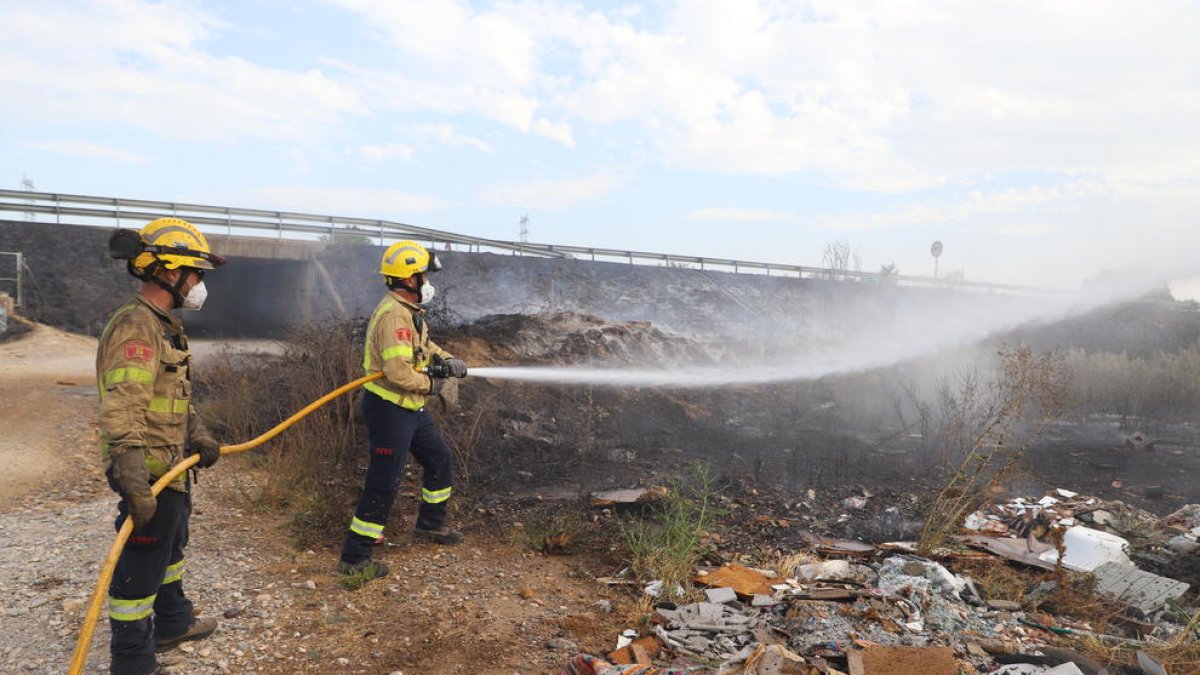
x,y
130,610
366,529
435,496
174,573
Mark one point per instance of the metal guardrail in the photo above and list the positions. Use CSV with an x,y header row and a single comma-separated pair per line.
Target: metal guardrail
x,y
110,210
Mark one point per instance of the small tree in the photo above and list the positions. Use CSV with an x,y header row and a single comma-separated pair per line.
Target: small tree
x,y
838,259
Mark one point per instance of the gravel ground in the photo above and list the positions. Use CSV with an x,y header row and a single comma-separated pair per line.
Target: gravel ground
x,y
485,606
50,557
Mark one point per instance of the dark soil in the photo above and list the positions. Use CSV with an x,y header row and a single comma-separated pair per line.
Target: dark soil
x,y
784,439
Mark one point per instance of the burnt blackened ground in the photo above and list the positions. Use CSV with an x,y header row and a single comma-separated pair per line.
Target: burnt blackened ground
x,y
780,440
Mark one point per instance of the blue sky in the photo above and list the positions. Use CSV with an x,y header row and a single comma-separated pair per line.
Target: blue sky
x,y
1041,141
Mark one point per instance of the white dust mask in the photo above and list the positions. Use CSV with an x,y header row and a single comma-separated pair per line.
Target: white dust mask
x,y
427,293
195,297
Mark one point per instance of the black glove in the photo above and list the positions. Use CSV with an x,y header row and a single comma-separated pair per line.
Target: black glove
x,y
435,385
130,475
209,451
456,367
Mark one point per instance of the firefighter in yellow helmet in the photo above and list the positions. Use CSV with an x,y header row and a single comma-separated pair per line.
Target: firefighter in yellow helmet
x,y
398,344
148,425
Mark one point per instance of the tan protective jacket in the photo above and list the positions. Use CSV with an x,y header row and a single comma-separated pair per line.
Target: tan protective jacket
x,y
398,344
143,371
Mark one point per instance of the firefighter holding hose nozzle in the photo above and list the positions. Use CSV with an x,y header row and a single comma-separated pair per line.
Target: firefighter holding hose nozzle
x,y
414,368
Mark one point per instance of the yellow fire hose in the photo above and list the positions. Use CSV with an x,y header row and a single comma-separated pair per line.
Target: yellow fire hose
x,y
79,658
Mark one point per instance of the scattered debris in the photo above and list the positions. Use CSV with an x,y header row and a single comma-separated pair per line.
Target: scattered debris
x,y
628,497
1184,519
1145,592
744,581
1085,549
880,660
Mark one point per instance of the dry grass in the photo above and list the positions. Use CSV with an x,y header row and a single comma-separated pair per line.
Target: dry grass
x,y
786,566
667,545
987,427
997,580
309,468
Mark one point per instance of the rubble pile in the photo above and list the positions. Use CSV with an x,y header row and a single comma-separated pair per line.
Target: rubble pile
x,y
883,610
1084,534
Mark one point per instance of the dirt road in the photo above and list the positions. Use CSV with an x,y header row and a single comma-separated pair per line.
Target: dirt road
x,y
47,404
488,606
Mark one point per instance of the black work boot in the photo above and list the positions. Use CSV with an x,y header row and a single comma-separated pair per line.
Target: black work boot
x,y
367,568
356,575
199,630
442,535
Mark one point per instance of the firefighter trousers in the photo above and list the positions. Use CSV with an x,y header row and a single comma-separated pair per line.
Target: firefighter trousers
x,y
394,432
145,599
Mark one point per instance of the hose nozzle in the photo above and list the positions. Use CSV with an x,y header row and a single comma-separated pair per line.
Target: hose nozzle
x,y
440,369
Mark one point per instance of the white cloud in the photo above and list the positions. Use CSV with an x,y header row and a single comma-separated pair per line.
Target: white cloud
x,y
452,38
551,194
143,65
89,150
735,215
876,96
1024,229
556,131
977,205
364,202
448,135
300,159
383,153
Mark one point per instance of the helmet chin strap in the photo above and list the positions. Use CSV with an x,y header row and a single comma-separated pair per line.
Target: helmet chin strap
x,y
403,284
175,290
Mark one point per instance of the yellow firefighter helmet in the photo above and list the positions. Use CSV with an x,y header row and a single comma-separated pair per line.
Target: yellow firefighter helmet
x,y
405,258
173,243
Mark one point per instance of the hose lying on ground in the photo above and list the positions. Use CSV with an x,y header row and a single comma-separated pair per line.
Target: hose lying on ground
x,y
79,658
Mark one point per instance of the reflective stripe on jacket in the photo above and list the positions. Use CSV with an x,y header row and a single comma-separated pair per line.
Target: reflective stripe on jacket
x,y
398,344
143,373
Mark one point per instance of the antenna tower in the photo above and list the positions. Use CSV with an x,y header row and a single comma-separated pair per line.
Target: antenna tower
x,y
525,229
28,186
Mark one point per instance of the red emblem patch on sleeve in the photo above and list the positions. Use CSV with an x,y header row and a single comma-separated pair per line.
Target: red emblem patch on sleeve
x,y
404,335
136,350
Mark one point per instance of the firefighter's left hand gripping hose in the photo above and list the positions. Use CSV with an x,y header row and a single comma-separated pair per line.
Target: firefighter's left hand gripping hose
x,y
79,658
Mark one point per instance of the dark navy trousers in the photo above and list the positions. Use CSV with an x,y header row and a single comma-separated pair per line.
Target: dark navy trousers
x,y
145,598
395,432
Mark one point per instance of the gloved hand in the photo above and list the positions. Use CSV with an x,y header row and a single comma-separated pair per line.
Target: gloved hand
x,y
130,475
435,385
456,367
209,451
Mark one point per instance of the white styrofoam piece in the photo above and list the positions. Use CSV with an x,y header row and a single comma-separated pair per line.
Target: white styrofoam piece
x,y
1086,549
